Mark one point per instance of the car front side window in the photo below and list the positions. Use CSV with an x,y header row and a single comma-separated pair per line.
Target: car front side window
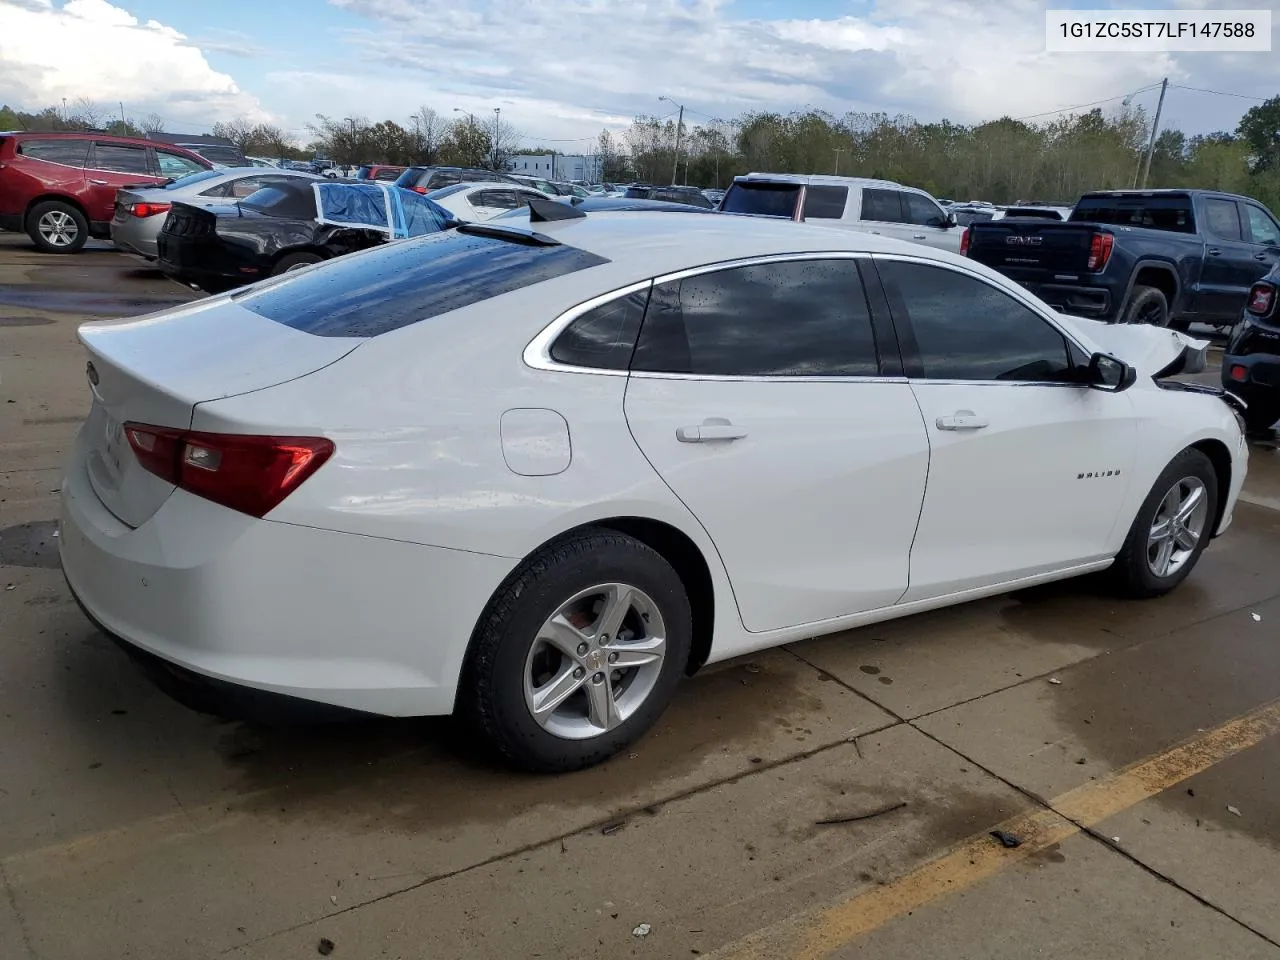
x,y
922,211
792,318
967,329
1262,228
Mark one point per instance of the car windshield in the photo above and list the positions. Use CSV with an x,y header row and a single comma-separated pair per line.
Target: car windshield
x,y
762,198
228,155
192,178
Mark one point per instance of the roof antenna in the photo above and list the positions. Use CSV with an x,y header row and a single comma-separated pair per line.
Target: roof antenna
x,y
541,210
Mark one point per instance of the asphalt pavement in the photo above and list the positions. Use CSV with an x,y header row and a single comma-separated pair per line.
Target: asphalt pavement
x,y
832,798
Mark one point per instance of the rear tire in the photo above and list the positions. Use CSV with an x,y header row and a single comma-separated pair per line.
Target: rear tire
x,y
1147,305
1171,530
57,227
556,625
294,261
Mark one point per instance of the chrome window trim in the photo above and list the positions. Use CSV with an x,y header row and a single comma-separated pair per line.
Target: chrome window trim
x,y
537,354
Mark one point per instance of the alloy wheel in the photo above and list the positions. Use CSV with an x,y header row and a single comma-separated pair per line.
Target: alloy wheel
x,y
1177,527
58,228
595,661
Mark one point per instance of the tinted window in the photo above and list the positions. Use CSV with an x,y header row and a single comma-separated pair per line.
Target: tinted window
x,y
1222,219
966,329
604,337
502,199
825,203
283,200
1262,229
119,159
69,152
1155,213
409,281
218,154
172,165
921,210
760,198
796,318
389,175
882,205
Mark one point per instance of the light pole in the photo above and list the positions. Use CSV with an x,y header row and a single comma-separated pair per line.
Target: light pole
x,y
838,151
497,119
675,161
352,149
471,122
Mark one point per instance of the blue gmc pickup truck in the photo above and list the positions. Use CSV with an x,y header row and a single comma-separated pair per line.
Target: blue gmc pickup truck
x,y
1165,257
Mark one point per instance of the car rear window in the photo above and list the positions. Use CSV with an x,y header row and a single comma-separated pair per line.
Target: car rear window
x,y
290,201
1157,213
762,199
410,281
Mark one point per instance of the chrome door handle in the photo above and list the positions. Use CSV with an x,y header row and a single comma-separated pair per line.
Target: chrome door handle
x,y
101,183
713,428
962,420
917,236
1259,256
1214,252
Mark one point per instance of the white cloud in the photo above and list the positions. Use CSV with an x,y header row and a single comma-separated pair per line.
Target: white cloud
x,y
577,64
92,49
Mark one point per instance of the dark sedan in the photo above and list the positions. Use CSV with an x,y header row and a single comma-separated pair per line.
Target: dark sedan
x,y
1251,361
288,226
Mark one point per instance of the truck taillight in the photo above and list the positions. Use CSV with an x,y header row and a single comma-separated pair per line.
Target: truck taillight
x,y
148,209
1100,250
964,242
1262,297
252,474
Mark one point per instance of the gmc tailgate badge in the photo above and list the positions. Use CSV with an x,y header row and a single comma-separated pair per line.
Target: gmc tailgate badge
x,y
1020,241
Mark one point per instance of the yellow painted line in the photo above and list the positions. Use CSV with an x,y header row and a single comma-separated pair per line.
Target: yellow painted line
x,y
818,933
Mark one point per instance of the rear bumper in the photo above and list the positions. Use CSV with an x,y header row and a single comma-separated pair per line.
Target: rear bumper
x,y
135,236
362,623
1095,303
1253,373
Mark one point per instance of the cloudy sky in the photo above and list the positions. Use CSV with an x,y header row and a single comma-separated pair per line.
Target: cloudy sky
x,y
562,69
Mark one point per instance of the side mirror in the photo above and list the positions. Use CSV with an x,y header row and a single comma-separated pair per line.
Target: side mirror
x,y
1107,373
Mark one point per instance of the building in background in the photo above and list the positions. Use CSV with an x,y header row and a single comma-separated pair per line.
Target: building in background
x,y
557,166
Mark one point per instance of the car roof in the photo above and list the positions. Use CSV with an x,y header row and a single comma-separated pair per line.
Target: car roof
x,y
819,178
96,135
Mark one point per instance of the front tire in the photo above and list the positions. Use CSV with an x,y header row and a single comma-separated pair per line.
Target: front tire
x,y
57,227
1147,305
1171,529
578,653
294,261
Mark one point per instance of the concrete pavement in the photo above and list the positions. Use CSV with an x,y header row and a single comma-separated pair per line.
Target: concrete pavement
x,y
132,827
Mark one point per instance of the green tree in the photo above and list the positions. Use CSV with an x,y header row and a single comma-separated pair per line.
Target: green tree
x,y
1260,128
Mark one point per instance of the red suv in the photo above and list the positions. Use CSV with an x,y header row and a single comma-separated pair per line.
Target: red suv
x,y
60,188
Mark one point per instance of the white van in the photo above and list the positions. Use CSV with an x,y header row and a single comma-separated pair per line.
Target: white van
x,y
871,206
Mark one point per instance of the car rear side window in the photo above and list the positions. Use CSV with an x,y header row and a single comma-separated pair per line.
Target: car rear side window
x,y
603,337
69,152
966,329
1222,219
410,281
825,203
120,158
883,206
1169,212
793,318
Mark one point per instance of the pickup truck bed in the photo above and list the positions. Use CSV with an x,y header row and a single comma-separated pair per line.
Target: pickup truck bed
x,y
1148,257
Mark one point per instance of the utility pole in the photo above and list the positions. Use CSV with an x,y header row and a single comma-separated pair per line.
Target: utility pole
x,y
122,119
838,151
497,116
1155,132
675,160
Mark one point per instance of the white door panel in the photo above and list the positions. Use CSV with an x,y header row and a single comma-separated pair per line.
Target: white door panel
x,y
811,490
1023,478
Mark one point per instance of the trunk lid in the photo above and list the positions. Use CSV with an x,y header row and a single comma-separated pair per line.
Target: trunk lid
x,y
1032,247
156,368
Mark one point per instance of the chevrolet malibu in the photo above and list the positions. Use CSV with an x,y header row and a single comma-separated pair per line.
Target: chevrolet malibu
x,y
537,472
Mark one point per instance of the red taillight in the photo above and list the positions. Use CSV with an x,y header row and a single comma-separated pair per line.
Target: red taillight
x,y
247,473
964,242
419,189
1100,250
1238,373
148,209
1261,299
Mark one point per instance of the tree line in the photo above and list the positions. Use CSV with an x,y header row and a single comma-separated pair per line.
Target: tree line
x,y
1003,160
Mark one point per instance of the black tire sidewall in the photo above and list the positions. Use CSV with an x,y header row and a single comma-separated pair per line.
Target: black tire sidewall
x,y
292,260
1140,295
40,209
1136,573
572,566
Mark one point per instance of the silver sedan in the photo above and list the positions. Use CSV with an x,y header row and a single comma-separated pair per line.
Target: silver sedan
x,y
140,211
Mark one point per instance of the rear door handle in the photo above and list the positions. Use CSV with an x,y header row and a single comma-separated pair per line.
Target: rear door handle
x,y
1214,252
962,420
101,183
711,429
917,236
1259,256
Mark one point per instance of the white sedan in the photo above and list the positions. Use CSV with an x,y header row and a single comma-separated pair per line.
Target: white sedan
x,y
474,202
537,473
